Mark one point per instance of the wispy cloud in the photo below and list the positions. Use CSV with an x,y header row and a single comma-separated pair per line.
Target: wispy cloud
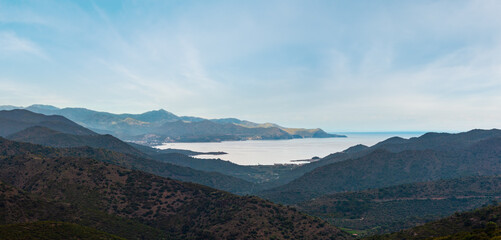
x,y
11,43
340,65
24,94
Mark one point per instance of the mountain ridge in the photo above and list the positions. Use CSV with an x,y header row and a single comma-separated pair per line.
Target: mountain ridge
x,y
15,120
159,168
390,164
143,128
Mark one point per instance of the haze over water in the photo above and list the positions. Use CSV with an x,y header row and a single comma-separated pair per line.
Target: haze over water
x,y
268,152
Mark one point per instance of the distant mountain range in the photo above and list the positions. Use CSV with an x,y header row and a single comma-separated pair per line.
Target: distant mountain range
x,y
156,127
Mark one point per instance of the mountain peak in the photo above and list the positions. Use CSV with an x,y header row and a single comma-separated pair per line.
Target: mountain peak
x,y
356,148
157,115
9,107
159,111
43,106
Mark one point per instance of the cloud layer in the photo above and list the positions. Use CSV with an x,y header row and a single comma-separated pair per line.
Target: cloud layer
x,y
342,66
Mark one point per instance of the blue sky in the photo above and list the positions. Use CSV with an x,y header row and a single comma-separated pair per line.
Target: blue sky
x,y
338,65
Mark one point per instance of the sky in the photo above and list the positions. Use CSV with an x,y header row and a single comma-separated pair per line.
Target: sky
x,y
338,65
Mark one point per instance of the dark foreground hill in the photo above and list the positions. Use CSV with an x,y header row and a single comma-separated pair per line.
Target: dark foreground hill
x,y
50,230
382,168
212,179
398,207
176,209
18,208
480,224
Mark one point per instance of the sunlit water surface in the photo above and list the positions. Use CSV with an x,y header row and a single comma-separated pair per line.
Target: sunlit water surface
x,y
268,152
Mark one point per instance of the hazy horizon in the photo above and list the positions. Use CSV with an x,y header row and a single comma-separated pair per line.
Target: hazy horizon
x,y
340,131
342,66
326,130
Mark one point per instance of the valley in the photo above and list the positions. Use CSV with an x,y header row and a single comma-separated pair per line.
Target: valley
x,y
250,120
382,188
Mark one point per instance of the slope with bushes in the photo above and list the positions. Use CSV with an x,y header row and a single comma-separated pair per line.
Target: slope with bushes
x,y
179,210
479,225
404,206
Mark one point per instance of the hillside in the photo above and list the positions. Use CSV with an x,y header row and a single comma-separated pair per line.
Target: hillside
x,y
16,120
438,141
145,128
142,157
211,165
382,168
398,207
20,209
212,179
206,131
308,133
49,230
428,141
300,170
480,224
49,137
180,210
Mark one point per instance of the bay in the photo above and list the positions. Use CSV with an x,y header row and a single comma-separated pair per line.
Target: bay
x,y
269,152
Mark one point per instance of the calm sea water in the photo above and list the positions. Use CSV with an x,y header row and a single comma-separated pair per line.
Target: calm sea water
x,y
268,152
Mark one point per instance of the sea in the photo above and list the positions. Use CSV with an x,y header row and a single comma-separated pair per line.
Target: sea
x,y
290,151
